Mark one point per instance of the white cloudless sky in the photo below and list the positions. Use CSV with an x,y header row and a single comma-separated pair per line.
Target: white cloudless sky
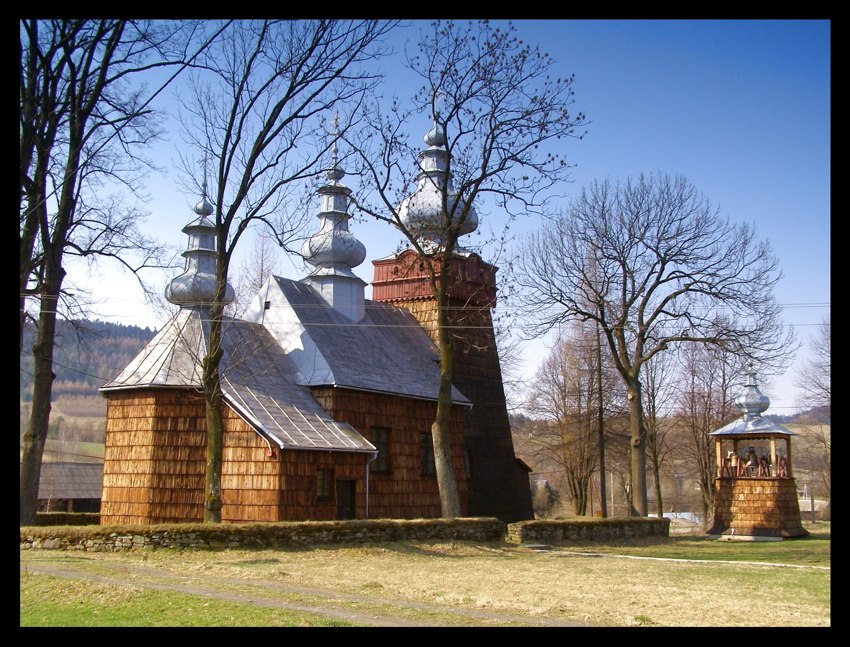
x,y
741,108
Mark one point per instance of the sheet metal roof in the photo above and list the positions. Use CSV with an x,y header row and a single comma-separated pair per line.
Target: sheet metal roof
x,y
386,352
257,381
170,358
752,426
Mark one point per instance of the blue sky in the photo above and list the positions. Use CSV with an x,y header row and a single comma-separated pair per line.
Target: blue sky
x,y
740,108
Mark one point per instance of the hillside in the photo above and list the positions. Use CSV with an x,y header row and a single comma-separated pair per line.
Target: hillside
x,y
87,355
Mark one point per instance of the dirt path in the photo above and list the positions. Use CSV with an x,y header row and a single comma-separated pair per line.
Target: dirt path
x,y
275,595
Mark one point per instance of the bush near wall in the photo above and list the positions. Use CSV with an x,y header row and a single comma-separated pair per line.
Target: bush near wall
x,y
259,535
67,518
558,531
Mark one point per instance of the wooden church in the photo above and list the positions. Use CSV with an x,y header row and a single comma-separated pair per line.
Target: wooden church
x,y
329,396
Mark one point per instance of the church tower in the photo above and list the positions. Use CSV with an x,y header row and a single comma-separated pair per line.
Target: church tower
x,y
499,483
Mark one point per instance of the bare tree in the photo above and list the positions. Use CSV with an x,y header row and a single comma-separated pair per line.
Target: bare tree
x,y
254,112
85,119
511,361
814,452
564,399
704,403
654,264
497,117
658,386
255,270
813,380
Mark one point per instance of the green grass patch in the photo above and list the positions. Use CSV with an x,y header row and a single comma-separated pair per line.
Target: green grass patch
x,y
814,550
57,602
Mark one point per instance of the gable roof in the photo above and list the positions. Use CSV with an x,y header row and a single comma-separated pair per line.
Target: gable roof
x,y
257,381
386,352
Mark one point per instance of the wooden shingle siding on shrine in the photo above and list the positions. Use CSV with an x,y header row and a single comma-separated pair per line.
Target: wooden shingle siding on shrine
x,y
153,463
757,507
402,492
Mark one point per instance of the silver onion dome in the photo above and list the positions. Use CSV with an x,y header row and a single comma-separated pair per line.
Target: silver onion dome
x,y
422,212
334,246
752,402
196,285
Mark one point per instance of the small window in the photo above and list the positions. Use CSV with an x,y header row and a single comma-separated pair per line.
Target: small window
x,y
324,483
426,454
381,441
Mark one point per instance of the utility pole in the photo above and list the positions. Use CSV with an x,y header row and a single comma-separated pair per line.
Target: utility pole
x,y
599,415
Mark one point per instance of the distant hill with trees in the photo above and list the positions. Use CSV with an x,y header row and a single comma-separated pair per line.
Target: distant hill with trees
x,y
87,355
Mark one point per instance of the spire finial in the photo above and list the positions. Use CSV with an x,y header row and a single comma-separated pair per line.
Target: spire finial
x,y
336,137
335,173
204,207
752,402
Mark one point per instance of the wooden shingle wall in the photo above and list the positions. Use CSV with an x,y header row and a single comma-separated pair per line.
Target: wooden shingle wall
x,y
155,458
403,492
153,464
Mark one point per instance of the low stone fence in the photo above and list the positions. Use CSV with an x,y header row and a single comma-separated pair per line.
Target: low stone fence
x,y
258,535
313,533
559,531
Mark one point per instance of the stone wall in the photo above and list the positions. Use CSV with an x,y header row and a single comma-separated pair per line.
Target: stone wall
x,y
565,530
259,535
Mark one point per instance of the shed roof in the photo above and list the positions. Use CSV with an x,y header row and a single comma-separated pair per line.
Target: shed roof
x,y
258,383
63,480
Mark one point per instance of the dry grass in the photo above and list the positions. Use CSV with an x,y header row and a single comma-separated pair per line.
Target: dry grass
x,y
560,585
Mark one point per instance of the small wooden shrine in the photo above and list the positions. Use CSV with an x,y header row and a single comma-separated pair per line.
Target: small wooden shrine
x,y
756,494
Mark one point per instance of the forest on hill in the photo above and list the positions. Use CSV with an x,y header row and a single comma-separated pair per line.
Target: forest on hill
x,y
87,355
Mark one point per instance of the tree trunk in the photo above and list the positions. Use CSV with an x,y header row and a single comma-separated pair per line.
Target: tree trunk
x,y
43,376
215,421
581,497
441,428
28,235
42,392
637,465
656,472
600,426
